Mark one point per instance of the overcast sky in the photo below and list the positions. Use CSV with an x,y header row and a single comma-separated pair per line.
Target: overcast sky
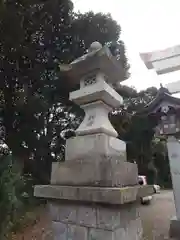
x,y
146,25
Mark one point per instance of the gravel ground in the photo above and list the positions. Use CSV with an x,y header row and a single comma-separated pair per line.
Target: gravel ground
x,y
156,218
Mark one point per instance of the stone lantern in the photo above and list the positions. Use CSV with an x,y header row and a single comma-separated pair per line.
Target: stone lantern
x,y
165,110
89,192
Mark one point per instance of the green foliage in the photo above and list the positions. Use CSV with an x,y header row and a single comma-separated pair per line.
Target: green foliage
x,y
150,154
9,180
16,192
161,161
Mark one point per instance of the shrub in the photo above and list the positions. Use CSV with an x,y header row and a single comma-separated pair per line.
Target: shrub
x,y
9,180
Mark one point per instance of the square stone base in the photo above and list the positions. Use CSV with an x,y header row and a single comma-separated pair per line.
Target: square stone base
x,y
174,231
100,172
113,196
93,213
95,222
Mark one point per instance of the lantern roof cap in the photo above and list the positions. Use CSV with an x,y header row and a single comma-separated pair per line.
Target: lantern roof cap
x,y
163,95
97,58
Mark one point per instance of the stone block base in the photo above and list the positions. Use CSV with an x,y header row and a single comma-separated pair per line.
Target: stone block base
x,y
174,231
93,213
114,196
103,172
95,222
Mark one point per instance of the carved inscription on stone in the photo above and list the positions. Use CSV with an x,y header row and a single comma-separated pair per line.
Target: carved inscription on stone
x,y
90,120
176,171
